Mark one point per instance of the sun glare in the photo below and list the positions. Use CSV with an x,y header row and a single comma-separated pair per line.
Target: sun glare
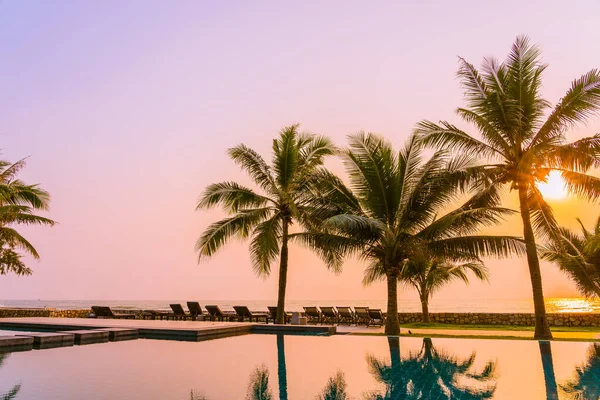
x,y
554,188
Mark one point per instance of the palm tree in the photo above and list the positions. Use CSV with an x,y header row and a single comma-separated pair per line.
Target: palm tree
x,y
391,212
578,256
584,385
428,274
431,374
522,146
266,216
18,202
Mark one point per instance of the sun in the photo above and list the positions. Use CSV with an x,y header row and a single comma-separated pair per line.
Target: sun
x,y
554,188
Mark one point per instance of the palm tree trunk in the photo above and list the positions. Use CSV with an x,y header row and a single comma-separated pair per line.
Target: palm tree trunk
x,y
281,367
542,329
548,367
425,309
392,325
283,267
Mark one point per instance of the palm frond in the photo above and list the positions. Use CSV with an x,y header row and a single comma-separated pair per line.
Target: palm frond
x,y
231,196
218,233
285,155
255,165
580,102
265,245
448,136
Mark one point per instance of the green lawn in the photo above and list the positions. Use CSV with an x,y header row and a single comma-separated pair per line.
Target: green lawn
x,y
421,325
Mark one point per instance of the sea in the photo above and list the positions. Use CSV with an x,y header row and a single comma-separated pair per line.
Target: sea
x,y
555,305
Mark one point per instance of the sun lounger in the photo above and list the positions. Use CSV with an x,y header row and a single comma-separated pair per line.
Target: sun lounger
x,y
106,312
376,317
244,313
195,309
273,315
179,312
346,315
153,314
329,315
361,315
313,314
215,314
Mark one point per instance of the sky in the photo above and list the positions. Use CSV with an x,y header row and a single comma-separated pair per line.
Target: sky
x,y
126,109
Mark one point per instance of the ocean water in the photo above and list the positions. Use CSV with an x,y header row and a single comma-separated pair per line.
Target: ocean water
x,y
406,305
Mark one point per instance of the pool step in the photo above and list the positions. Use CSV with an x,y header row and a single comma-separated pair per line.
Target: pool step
x,y
46,340
87,336
118,334
15,343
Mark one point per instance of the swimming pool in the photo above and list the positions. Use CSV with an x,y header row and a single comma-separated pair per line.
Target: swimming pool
x,y
305,367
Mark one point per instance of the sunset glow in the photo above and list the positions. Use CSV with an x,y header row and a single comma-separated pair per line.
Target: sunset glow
x,y
554,188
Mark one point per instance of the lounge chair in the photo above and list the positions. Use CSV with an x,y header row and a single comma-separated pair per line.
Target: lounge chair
x,y
153,314
195,309
106,312
313,314
346,315
215,313
179,312
244,313
376,317
329,315
361,315
273,315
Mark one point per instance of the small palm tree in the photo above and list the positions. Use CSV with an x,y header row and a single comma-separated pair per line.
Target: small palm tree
x,y
522,144
266,216
18,202
390,212
428,274
578,256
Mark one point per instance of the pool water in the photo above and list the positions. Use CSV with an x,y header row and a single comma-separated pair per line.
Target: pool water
x,y
281,367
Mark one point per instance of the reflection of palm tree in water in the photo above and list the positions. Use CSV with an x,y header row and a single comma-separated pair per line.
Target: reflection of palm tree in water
x,y
585,385
335,388
12,393
548,368
430,373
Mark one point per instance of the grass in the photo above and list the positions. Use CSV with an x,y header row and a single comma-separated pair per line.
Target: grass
x,y
432,325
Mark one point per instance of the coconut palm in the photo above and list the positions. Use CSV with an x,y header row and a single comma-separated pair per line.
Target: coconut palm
x,y
584,386
578,256
390,211
428,274
18,202
267,215
432,374
521,145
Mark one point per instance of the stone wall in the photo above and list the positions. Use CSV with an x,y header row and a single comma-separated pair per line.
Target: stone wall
x,y
43,312
54,313
556,319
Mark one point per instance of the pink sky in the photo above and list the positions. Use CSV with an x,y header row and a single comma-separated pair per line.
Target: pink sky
x,y
127,109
